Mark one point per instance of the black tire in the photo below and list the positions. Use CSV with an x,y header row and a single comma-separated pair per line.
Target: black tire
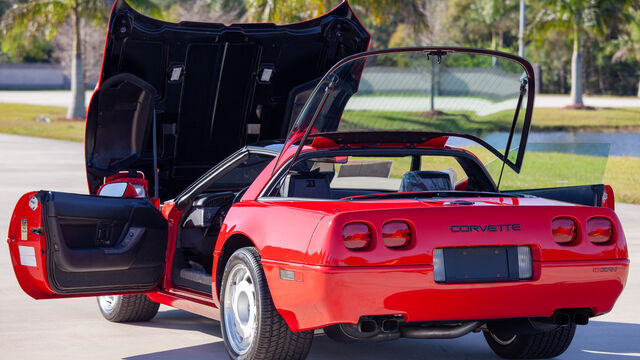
x,y
335,333
129,308
271,338
539,346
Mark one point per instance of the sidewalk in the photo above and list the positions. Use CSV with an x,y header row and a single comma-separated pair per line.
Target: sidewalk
x,y
62,98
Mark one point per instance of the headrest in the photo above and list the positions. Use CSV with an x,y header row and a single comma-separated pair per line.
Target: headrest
x,y
426,181
307,185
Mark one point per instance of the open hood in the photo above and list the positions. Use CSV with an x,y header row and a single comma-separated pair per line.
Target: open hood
x,y
204,89
427,97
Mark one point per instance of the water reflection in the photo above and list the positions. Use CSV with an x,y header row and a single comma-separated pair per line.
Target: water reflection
x,y
622,144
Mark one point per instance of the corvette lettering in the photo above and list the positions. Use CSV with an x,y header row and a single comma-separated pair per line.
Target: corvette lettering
x,y
486,228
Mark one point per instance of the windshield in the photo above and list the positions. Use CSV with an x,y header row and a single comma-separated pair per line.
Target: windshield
x,y
242,175
457,93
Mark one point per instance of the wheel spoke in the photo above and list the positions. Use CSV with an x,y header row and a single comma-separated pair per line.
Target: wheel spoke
x,y
240,308
107,303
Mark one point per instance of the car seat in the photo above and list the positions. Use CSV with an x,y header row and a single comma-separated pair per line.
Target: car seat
x,y
426,181
313,185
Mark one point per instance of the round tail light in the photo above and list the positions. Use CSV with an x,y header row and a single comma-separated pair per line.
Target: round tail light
x,y
600,230
396,234
564,230
356,236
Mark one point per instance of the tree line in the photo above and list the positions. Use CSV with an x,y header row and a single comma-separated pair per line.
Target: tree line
x,y
581,46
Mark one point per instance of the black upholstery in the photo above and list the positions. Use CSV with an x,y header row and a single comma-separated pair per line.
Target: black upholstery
x,y
426,181
307,185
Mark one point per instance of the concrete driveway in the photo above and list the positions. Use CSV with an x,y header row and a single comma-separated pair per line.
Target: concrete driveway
x,y
74,329
62,98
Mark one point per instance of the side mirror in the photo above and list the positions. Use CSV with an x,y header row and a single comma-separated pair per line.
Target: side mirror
x,y
117,189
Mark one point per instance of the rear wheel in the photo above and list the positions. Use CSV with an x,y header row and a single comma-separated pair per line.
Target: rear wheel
x,y
252,328
127,308
538,346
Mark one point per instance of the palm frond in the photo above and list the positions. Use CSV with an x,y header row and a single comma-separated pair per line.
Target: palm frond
x,y
146,6
35,18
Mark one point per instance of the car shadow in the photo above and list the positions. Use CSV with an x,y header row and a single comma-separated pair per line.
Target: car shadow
x,y
175,319
598,341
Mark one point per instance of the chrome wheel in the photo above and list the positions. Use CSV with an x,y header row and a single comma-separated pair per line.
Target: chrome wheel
x,y
240,310
108,303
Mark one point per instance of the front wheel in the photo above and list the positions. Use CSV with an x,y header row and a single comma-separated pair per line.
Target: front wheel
x,y
544,345
252,328
127,308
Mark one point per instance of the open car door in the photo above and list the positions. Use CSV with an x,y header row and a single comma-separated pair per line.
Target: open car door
x,y
66,245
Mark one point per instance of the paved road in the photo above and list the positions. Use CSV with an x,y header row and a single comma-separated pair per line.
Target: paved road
x,y
73,328
62,98
481,107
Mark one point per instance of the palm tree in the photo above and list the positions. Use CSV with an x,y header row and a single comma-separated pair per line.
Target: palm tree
x,y
284,11
43,18
579,17
628,44
494,16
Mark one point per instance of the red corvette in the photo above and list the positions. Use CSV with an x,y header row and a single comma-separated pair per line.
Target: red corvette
x,y
378,217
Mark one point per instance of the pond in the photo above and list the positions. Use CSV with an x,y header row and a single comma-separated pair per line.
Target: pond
x,y
621,144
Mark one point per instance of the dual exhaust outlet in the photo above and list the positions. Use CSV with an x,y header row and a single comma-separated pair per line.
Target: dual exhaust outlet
x,y
384,328
565,317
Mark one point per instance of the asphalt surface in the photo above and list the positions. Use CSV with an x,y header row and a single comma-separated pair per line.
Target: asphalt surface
x,y
74,328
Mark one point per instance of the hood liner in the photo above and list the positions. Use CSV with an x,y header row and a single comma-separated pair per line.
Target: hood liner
x,y
215,88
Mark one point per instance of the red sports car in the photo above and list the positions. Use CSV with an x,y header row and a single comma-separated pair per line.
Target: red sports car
x,y
379,216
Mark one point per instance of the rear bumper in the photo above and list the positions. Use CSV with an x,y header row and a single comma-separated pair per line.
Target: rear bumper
x,y
322,296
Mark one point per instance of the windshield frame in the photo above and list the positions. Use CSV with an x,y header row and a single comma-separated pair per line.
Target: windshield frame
x,y
301,135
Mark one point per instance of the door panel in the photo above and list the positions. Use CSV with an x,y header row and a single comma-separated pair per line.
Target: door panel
x,y
87,245
590,195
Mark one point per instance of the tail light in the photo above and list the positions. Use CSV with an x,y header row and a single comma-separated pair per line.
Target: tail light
x,y
396,234
564,230
600,230
356,236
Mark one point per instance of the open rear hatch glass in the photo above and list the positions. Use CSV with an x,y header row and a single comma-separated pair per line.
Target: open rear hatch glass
x,y
415,95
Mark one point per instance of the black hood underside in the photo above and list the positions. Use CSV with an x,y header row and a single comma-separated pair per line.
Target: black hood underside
x,y
212,89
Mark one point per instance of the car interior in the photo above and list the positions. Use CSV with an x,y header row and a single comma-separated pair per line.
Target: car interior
x,y
193,257
335,177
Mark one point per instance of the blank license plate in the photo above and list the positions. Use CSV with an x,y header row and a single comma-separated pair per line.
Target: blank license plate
x,y
481,264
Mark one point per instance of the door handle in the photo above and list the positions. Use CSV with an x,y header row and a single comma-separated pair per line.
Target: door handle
x,y
130,240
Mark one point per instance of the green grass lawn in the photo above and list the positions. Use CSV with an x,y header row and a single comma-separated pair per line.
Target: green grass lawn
x,y
544,170
20,120
608,120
